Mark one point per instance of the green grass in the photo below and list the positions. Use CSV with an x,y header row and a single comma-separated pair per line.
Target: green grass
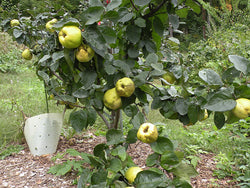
x,y
20,92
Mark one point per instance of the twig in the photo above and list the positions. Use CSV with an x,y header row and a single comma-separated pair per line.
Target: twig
x,y
59,77
133,5
153,11
103,118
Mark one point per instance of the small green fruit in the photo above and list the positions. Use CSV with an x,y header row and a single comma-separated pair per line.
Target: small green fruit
x,y
169,77
112,100
14,22
242,108
50,24
147,133
125,87
131,173
84,53
70,37
26,54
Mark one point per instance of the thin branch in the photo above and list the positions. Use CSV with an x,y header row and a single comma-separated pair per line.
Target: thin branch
x,y
117,117
59,77
153,11
103,118
131,1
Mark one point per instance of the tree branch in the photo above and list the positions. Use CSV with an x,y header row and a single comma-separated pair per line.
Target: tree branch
x,y
153,11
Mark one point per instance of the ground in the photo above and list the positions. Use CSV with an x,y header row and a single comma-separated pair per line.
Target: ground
x,y
27,171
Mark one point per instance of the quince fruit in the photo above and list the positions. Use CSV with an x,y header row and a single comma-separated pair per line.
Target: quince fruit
x,y
111,99
70,37
169,78
147,133
132,172
125,87
26,54
84,53
205,115
50,24
242,108
14,22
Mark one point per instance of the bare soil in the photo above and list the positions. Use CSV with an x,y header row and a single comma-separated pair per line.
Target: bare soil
x,y
27,171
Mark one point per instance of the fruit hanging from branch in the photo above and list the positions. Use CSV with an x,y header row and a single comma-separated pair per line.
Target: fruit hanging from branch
x,y
14,22
26,54
147,133
242,108
84,53
70,37
125,87
111,99
132,172
50,24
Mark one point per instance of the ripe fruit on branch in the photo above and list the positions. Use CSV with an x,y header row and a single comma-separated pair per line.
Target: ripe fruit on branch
x,y
131,173
26,54
14,22
205,115
70,37
111,99
50,24
125,87
169,77
147,133
84,53
242,108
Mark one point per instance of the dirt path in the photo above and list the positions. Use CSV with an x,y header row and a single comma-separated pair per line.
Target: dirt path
x,y
27,171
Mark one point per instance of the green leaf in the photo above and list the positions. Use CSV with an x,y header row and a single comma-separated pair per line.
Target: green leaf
x,y
219,119
78,120
133,52
108,33
132,136
133,33
88,78
181,183
17,33
95,3
147,89
240,63
60,169
119,151
181,106
150,46
210,77
130,110
84,178
113,4
169,158
152,58
95,161
194,6
92,116
162,145
93,14
149,179
152,159
193,113
220,104
184,171
123,66
81,93
137,120
125,15
99,177
100,151
182,13
140,22
158,26
114,136
44,76
142,2
94,37
174,20
115,165
109,68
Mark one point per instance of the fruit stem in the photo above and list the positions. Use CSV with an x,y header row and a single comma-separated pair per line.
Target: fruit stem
x,y
46,97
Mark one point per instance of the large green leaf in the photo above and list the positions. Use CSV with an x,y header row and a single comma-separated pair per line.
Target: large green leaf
x,y
78,120
125,15
194,6
210,77
174,20
132,136
152,159
240,63
149,179
184,171
84,178
92,116
115,165
133,33
108,33
95,3
99,177
181,106
169,158
113,4
114,136
152,58
220,104
162,145
93,14
119,151
142,2
137,120
100,151
182,13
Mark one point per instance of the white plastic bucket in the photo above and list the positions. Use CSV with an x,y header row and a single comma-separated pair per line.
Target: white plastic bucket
x,y
42,133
